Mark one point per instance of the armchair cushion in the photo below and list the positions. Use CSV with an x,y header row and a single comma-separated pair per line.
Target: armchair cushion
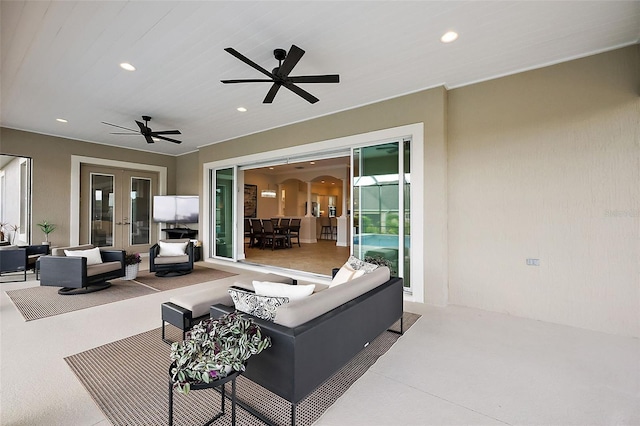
x,y
93,255
169,260
172,249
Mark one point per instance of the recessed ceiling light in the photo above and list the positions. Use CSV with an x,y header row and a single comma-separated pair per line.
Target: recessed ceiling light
x,y
448,37
61,120
127,66
242,109
270,168
313,162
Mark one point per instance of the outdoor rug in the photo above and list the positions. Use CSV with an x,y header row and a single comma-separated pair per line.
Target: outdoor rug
x,y
44,301
129,381
200,274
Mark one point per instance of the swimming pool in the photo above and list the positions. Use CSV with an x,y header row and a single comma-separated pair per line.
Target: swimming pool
x,y
380,240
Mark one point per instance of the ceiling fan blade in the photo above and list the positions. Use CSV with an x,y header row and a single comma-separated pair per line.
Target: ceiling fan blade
x,y
143,128
148,138
166,132
248,61
329,78
300,92
250,80
168,139
272,93
292,58
115,125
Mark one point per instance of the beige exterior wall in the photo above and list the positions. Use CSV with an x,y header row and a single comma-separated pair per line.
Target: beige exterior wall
x,y
52,173
545,165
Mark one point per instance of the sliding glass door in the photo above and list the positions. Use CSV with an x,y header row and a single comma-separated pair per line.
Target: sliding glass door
x,y
223,228
381,205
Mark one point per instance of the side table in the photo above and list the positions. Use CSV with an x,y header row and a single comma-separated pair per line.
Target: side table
x,y
214,384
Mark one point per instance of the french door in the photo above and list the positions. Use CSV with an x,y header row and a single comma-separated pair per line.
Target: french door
x,y
115,208
381,181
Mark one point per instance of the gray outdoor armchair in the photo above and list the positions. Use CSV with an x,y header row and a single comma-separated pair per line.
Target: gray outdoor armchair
x,y
171,257
20,259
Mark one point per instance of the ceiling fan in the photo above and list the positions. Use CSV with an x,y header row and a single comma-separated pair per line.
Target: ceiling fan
x,y
146,131
280,75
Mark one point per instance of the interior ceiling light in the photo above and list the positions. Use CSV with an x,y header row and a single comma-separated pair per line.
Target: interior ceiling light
x,y
313,162
127,66
242,109
449,36
61,120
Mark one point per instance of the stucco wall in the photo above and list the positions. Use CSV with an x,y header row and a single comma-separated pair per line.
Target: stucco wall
x,y
545,165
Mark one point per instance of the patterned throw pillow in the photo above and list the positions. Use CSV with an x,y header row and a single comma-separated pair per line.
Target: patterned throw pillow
x,y
358,264
263,307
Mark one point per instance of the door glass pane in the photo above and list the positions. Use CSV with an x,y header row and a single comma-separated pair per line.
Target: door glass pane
x,y
223,213
102,203
407,214
376,203
140,209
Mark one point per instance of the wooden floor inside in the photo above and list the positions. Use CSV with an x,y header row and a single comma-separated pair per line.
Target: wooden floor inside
x,y
317,258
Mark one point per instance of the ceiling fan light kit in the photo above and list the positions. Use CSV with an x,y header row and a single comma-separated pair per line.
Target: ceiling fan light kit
x,y
280,75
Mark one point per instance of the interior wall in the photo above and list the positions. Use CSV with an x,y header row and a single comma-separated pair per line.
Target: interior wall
x,y
188,175
267,207
545,165
52,172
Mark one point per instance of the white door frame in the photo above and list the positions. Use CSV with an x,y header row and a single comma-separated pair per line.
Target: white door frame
x,y
413,131
77,160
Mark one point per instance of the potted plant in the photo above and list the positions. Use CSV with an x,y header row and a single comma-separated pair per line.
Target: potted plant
x,y
132,264
381,261
214,348
47,228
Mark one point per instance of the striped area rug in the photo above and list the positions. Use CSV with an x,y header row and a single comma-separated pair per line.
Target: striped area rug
x,y
44,301
129,381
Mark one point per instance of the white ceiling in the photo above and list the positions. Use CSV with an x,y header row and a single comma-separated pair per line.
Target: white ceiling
x,y
60,58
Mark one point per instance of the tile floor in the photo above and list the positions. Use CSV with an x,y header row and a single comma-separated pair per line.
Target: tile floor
x,y
455,366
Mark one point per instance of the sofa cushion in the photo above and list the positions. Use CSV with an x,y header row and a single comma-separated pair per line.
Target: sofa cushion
x,y
345,274
172,249
60,251
293,292
198,302
93,255
358,264
103,268
263,307
301,311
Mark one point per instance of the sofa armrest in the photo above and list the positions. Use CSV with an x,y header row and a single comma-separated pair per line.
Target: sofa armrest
x,y
63,271
112,255
13,260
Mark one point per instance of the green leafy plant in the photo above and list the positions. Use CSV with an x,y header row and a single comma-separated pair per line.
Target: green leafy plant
x,y
211,346
132,258
47,228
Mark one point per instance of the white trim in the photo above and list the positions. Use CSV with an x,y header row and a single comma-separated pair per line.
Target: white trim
x,y
413,131
77,161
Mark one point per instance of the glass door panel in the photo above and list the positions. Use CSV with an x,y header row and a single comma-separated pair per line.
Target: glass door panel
x,y
381,205
102,203
140,208
223,213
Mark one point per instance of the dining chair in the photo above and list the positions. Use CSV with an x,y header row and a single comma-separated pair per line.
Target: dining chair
x,y
294,230
270,236
257,232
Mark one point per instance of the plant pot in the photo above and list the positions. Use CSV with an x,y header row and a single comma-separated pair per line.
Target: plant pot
x,y
131,271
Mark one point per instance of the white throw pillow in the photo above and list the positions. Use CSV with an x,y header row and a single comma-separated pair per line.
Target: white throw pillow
x,y
293,292
92,255
172,249
345,274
